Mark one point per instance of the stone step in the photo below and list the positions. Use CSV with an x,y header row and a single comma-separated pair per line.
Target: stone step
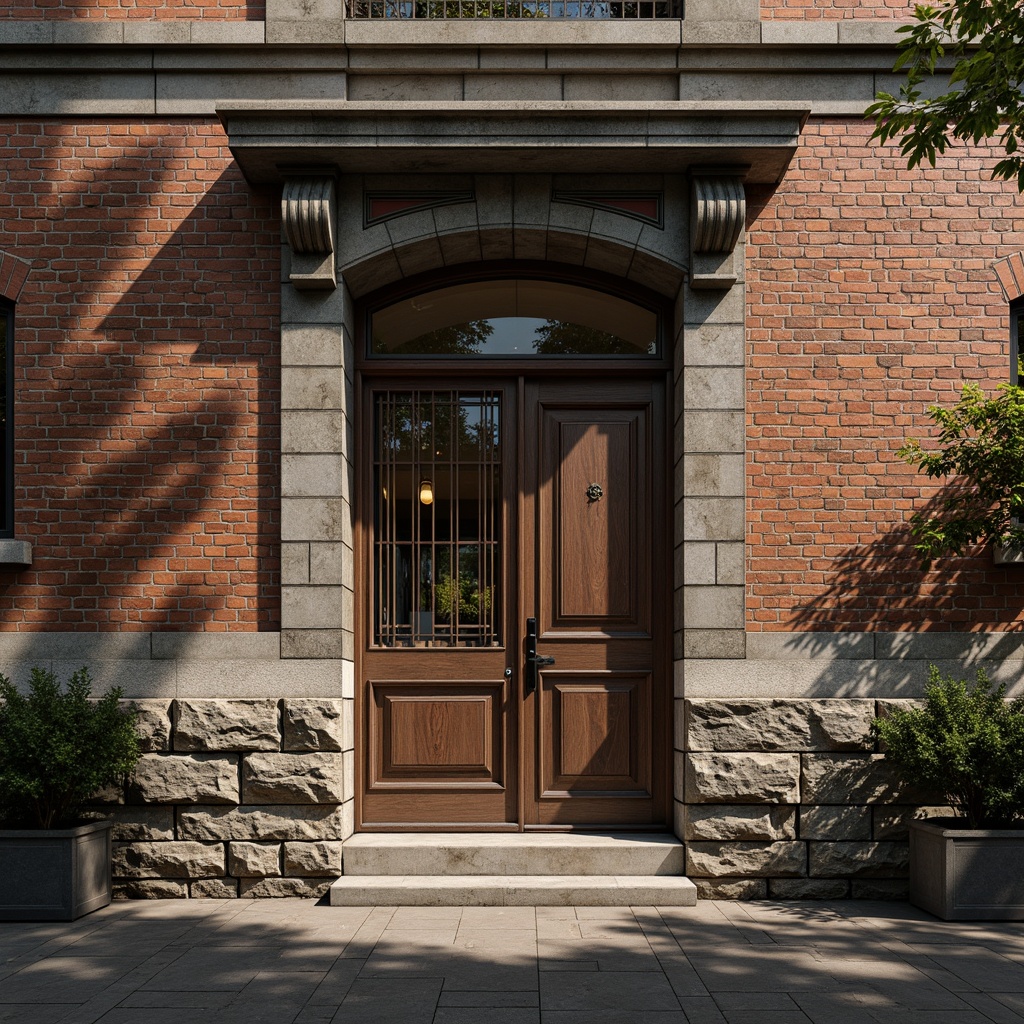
x,y
514,891
513,853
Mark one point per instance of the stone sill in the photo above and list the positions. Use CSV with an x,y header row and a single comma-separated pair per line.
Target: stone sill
x,y
15,553
338,32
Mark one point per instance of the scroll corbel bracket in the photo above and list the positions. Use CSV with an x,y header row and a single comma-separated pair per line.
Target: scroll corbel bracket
x,y
307,221
718,211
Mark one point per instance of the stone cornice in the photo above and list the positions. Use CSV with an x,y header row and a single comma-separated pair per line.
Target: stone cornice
x,y
513,136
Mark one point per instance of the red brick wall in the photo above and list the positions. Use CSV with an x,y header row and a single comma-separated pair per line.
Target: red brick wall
x,y
818,10
40,10
871,297
147,379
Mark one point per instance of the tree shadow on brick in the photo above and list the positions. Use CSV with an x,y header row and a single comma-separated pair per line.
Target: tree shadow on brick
x,y
147,407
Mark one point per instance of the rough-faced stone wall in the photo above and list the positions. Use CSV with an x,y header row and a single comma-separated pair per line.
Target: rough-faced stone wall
x,y
234,798
791,799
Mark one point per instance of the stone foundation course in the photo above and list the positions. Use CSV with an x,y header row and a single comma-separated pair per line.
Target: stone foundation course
x,y
234,798
791,799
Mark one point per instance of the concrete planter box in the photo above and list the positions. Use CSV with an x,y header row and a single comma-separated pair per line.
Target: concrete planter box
x,y
962,874
54,874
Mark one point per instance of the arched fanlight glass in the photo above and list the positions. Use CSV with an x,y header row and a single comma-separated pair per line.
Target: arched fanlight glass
x,y
515,317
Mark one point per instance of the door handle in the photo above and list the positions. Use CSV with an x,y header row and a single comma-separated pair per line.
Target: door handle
x,y
533,659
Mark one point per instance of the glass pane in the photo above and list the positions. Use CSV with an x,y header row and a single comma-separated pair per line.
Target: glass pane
x,y
437,519
515,318
1016,330
5,508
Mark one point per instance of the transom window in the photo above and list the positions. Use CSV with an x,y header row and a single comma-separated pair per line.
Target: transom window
x,y
515,317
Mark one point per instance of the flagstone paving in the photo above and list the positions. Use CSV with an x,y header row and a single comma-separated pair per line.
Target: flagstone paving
x,y
297,961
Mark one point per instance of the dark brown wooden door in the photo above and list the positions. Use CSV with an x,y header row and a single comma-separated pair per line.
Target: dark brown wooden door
x,y
547,502
593,539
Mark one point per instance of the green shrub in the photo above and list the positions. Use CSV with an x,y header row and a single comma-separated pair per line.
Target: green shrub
x,y
58,747
967,743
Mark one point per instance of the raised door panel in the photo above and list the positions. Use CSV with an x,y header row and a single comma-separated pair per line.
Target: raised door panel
x,y
595,556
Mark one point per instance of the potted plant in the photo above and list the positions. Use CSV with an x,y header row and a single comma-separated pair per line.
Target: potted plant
x,y
966,743
57,748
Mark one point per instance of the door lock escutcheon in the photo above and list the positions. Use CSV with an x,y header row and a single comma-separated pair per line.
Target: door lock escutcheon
x,y
533,659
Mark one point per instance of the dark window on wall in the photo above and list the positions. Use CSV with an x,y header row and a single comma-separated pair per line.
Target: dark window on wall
x,y
1016,330
7,420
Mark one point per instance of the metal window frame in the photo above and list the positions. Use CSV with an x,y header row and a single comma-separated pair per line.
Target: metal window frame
x,y
1016,315
7,526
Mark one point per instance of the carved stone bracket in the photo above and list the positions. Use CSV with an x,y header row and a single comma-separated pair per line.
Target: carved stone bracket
x,y
307,219
718,210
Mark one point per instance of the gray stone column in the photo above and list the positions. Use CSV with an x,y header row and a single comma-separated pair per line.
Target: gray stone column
x,y
710,433
317,460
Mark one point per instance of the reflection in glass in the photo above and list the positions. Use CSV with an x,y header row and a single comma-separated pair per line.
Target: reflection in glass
x,y
515,318
437,565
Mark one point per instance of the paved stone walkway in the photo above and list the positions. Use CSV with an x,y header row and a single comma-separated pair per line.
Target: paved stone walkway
x,y
283,961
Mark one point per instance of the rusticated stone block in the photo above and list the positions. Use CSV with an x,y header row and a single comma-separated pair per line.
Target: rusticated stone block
x,y
138,823
731,888
254,860
894,889
777,724
864,860
310,822
186,779
852,779
312,724
214,889
808,888
747,778
831,821
153,724
720,860
168,860
312,860
740,821
292,778
160,889
892,822
261,888
237,725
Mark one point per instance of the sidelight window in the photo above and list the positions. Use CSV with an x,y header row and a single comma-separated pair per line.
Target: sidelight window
x,y
7,417
437,519
1016,330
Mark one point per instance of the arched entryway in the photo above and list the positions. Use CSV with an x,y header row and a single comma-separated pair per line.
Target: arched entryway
x,y
511,508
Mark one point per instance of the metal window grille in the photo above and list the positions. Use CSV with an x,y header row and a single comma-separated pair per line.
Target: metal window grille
x,y
437,519
508,10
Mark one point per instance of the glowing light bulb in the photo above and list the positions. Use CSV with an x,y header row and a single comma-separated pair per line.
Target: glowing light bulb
x,y
426,492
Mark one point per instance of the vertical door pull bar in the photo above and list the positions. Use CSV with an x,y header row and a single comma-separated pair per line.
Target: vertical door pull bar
x,y
532,658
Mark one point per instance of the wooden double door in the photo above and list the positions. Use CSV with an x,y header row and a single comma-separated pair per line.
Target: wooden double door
x,y
513,668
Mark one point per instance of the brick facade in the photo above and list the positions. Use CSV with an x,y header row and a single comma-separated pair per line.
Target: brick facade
x,y
135,9
871,296
147,380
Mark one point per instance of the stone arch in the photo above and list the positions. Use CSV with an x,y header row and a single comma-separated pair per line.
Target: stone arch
x,y
14,273
518,217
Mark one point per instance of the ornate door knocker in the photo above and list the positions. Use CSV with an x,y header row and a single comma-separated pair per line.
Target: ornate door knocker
x,y
595,492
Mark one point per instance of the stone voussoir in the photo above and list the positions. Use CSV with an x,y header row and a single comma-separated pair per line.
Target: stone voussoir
x,y
311,724
168,860
724,860
228,725
186,779
742,778
313,778
779,724
295,822
740,821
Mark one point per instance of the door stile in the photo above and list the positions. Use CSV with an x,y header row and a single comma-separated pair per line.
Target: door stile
x,y
447,666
